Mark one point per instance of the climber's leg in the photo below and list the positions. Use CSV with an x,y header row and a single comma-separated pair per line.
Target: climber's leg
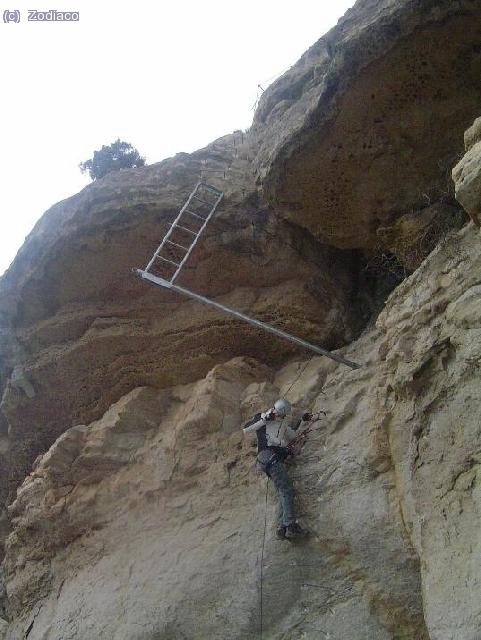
x,y
281,527
285,491
280,514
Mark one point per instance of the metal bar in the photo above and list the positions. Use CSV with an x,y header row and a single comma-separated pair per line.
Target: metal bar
x,y
194,242
256,323
211,188
194,214
169,232
179,226
177,245
209,204
166,260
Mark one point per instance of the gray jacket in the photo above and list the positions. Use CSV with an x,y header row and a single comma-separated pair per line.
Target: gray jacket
x,y
278,432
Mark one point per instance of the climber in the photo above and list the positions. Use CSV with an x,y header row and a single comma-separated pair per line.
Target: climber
x,y
274,433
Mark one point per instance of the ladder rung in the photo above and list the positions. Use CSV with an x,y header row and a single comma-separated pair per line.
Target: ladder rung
x,y
194,214
212,189
194,233
171,261
177,245
204,202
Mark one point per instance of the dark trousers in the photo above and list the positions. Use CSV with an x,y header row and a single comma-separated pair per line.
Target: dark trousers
x,y
285,491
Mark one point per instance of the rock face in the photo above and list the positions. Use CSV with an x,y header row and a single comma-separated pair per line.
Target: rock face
x,y
414,235
432,353
131,509
80,329
368,124
149,522
467,173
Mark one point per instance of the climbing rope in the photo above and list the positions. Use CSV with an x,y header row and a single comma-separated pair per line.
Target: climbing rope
x,y
296,446
299,374
262,559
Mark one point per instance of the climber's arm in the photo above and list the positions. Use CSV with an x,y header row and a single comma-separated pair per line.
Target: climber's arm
x,y
255,426
301,422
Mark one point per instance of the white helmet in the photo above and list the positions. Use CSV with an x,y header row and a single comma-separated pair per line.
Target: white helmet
x,y
282,407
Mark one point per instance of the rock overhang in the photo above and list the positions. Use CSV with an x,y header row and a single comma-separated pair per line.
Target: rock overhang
x,y
368,124
81,329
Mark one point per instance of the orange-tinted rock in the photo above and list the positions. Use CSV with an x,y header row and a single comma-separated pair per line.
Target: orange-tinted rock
x,y
369,122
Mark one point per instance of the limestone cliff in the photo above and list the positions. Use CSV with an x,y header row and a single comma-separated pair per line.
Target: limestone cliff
x,y
79,329
131,508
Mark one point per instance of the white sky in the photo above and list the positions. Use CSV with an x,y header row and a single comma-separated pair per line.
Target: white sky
x,y
164,76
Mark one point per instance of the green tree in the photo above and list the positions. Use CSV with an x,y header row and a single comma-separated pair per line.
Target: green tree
x,y
116,156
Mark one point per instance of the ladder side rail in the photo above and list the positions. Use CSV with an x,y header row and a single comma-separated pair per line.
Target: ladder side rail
x,y
252,321
194,242
172,228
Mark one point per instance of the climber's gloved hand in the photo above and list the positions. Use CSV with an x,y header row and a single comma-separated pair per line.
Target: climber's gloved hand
x,y
306,417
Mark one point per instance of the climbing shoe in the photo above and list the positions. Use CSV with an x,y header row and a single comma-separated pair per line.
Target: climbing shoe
x,y
281,533
294,530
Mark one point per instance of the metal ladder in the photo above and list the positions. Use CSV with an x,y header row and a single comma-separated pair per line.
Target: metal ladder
x,y
198,210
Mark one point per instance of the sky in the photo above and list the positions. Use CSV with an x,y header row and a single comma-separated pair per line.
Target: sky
x,y
164,76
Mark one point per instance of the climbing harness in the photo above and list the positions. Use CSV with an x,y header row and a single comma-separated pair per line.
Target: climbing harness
x,y
267,457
